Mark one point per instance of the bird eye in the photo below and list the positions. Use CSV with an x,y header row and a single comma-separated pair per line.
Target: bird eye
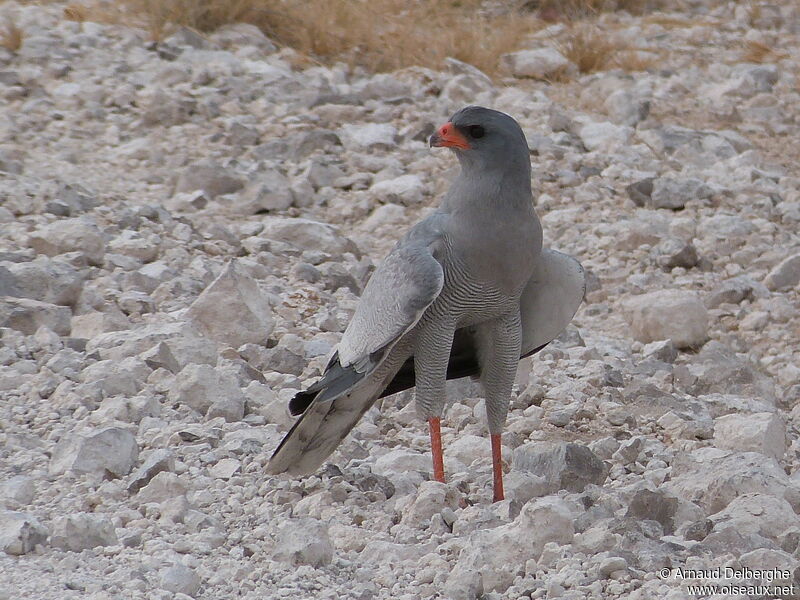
x,y
476,131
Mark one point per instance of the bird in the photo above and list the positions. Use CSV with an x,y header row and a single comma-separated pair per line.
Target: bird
x,y
467,291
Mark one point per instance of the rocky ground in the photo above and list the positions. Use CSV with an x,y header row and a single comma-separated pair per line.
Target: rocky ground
x,y
185,231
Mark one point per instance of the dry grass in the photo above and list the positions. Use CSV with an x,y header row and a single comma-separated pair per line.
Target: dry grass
x,y
11,37
589,48
566,10
594,49
381,35
759,52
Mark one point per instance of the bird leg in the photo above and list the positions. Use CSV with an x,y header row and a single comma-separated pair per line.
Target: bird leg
x,y
497,468
436,448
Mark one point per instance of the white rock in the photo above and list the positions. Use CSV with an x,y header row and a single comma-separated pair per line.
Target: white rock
x,y
406,189
677,315
785,275
270,191
401,461
232,293
203,386
109,451
385,215
626,107
27,316
180,579
563,465
763,432
124,377
542,63
604,136
70,235
712,478
19,490
159,460
762,514
430,500
213,179
225,468
308,235
359,137
669,192
163,486
303,542
20,532
81,531
541,521
468,448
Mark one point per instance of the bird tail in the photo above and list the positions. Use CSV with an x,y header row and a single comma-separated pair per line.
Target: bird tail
x,y
320,429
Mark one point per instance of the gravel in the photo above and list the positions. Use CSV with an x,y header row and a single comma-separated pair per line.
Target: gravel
x,y
185,230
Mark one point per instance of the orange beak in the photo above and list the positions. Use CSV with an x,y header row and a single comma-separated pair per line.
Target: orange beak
x,y
448,136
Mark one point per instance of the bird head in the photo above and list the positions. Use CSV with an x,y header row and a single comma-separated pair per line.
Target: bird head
x,y
485,138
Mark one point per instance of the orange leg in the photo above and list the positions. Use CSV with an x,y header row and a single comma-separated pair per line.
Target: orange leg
x,y
497,468
436,448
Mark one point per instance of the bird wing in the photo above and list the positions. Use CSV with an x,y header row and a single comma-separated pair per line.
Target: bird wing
x,y
550,299
396,296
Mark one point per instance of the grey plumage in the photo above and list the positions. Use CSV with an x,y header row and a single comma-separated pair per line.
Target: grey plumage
x,y
473,270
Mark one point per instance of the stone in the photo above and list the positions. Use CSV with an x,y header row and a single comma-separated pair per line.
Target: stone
x,y
712,478
401,461
166,109
306,234
268,192
27,316
180,579
108,452
674,252
225,468
163,486
656,506
763,432
463,583
563,465
541,521
20,532
625,107
94,323
754,513
43,279
81,531
716,369
604,136
677,315
303,542
70,235
541,63
236,35
18,490
785,275
640,191
368,136
732,291
213,179
200,386
76,197
125,377
232,293
430,500
407,190
663,350
161,459
674,193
